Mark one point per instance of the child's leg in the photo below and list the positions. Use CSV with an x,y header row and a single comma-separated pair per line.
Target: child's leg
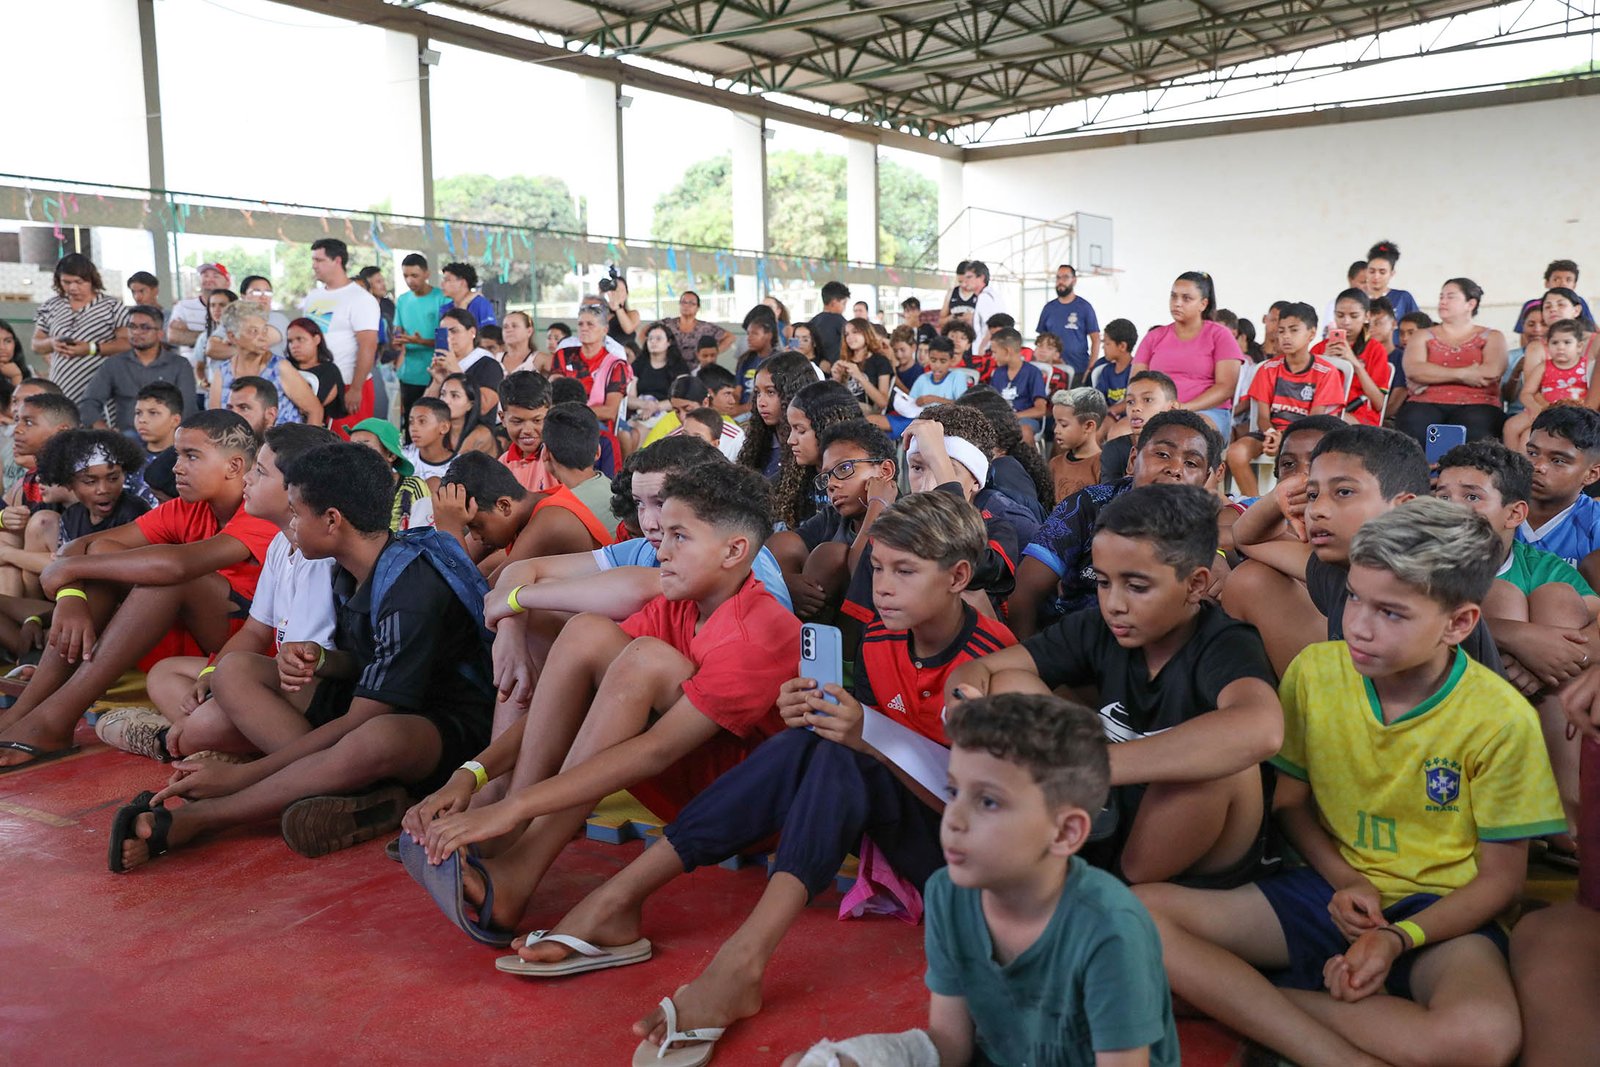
x,y
1194,828
1464,1014
1242,455
171,681
248,710
1278,606
1213,941
532,639
10,576
1506,601
144,617
43,534
646,677
53,670
404,748
1555,959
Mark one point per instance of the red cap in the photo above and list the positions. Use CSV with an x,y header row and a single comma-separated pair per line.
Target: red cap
x,y
218,267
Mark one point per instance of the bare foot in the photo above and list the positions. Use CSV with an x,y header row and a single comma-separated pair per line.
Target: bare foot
x,y
721,996
602,923
136,849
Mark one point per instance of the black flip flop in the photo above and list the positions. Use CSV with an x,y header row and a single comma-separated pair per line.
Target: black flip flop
x,y
39,755
122,829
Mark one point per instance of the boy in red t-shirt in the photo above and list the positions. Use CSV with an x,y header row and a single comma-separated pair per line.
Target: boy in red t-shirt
x,y
193,560
819,784
1284,390
659,705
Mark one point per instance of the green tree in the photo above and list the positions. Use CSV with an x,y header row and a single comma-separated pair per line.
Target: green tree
x,y
240,263
532,202
806,207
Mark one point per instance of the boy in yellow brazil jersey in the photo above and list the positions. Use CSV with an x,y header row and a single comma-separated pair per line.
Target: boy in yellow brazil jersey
x,y
1410,779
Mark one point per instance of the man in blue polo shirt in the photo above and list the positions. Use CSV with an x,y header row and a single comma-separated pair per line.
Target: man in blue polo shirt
x,y
1071,318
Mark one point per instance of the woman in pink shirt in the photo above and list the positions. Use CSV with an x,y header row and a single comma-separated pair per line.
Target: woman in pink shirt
x,y
1453,370
1198,353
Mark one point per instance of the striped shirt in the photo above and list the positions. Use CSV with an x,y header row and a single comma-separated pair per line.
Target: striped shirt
x,y
97,321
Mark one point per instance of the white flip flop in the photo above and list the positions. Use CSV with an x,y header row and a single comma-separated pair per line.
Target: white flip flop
x,y
589,957
695,1055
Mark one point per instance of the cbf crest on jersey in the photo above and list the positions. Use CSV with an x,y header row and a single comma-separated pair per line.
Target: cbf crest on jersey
x,y
1442,782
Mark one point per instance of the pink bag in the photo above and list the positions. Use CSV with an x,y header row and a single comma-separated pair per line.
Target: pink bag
x,y
879,890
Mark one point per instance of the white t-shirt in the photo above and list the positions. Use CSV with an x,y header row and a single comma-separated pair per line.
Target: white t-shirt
x,y
989,304
342,313
422,467
295,595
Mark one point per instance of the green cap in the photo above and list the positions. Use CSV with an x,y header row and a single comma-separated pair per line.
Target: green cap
x,y
389,437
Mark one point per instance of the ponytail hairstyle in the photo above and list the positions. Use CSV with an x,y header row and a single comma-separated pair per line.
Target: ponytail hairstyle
x,y
1208,290
790,372
825,404
1008,439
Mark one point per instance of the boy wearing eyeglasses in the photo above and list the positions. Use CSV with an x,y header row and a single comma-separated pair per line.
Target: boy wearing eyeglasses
x,y
816,555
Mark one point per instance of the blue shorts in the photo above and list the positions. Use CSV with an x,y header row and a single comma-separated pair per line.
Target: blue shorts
x,y
1300,899
1035,424
897,424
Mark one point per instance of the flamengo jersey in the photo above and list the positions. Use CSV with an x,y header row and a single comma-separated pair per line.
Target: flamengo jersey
x,y
1572,534
1408,801
911,691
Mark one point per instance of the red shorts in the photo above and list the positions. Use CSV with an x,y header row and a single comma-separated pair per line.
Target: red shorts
x,y
342,426
667,793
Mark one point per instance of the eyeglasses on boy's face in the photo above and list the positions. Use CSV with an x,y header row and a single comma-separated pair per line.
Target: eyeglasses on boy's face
x,y
841,471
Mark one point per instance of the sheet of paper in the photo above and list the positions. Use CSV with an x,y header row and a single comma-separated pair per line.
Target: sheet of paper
x,y
927,762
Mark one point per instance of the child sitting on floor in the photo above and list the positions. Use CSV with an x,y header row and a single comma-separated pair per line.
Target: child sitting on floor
x,y
705,424
1412,779
1148,394
524,403
483,497
31,517
413,499
293,602
430,450
1056,577
1539,608
1079,415
157,413
93,467
402,697
194,560
1033,955
1187,696
1564,448
819,784
857,458
659,705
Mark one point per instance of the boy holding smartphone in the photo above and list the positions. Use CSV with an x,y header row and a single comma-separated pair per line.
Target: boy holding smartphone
x,y
820,788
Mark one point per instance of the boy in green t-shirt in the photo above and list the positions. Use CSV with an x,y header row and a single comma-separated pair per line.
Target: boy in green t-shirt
x,y
1540,610
1033,955
416,319
1412,778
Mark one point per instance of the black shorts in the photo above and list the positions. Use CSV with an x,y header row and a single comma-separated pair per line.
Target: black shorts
x,y
332,700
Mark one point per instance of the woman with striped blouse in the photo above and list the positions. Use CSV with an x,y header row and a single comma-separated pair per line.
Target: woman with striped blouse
x,y
80,327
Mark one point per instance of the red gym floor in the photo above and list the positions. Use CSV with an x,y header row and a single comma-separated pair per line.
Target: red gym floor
x,y
241,952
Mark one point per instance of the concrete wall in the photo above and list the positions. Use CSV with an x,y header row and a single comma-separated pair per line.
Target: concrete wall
x,y
1279,214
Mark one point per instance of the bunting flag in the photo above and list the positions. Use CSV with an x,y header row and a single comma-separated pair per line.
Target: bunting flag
x,y
374,233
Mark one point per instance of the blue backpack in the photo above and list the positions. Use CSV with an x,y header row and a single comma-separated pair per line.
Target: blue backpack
x,y
445,554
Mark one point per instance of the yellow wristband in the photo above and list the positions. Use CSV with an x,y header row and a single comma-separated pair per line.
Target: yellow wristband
x,y
69,592
322,657
479,774
33,618
204,671
1413,931
511,601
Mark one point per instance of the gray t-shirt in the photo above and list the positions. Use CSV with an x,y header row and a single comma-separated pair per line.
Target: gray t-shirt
x,y
1092,982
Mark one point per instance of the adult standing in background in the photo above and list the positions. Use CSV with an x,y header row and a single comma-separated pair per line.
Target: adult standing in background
x,y
378,286
1072,319
624,328
460,283
986,302
187,319
145,289
1453,369
1382,259
348,317
113,392
1197,352
258,290
687,328
80,327
416,323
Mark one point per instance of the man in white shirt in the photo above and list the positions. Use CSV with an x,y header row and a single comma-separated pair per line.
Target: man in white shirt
x,y
976,281
348,315
188,316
